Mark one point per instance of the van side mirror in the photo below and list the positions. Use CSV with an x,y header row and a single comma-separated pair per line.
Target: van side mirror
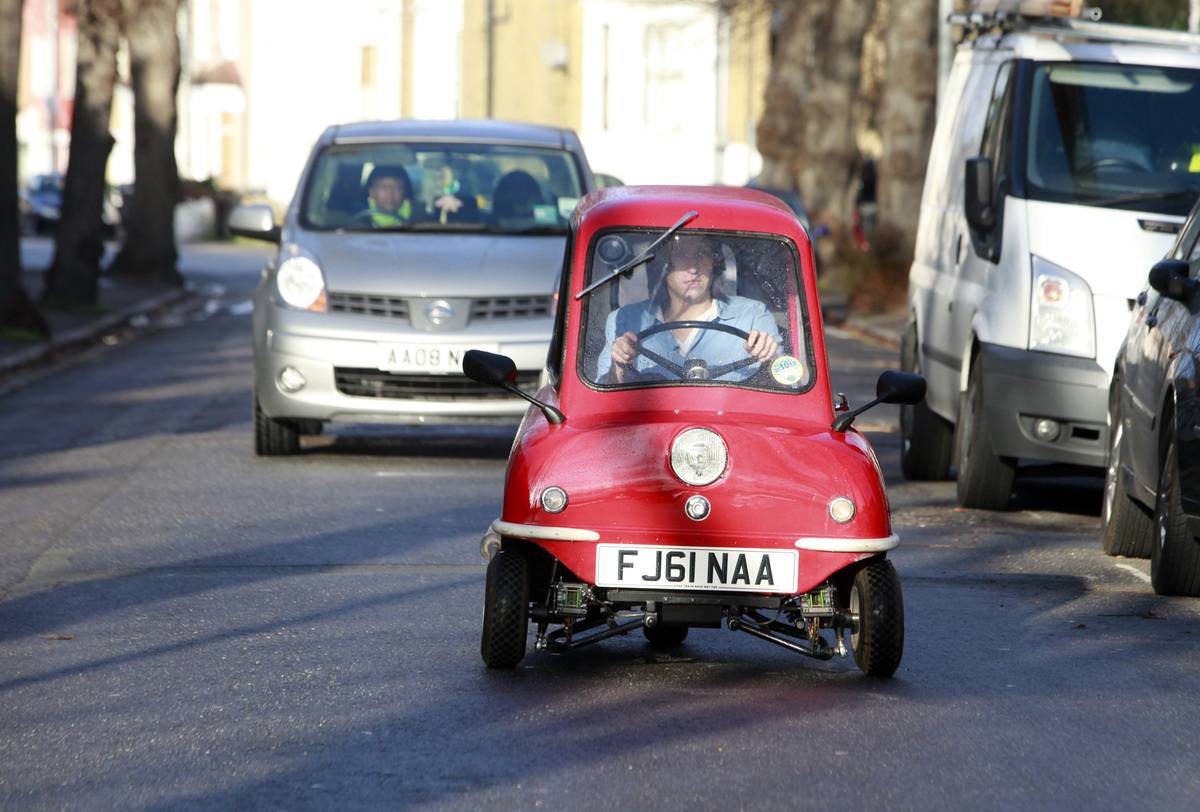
x,y
501,371
255,221
893,386
1170,278
980,196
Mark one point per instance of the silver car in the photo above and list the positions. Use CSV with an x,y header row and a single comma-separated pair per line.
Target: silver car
x,y
407,244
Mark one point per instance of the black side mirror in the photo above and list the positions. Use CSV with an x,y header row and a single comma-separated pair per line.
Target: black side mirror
x,y
489,368
254,221
501,371
893,386
980,196
1170,278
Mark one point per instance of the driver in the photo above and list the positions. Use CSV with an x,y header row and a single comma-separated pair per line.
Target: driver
x,y
689,291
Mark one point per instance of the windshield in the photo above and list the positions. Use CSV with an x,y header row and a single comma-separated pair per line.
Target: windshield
x,y
708,309
1125,136
442,187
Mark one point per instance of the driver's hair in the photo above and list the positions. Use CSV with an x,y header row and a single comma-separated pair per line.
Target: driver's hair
x,y
688,247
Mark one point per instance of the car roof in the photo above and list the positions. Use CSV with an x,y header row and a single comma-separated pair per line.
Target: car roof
x,y
724,207
485,130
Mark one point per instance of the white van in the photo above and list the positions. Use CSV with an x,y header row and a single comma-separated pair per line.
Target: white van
x,y
1066,155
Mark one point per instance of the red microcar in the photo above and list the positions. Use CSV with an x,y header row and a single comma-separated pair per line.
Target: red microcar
x,y
685,465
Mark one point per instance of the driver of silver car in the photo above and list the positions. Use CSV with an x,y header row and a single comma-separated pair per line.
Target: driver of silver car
x,y
690,290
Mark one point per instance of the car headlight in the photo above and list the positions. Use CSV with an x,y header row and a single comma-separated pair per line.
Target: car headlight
x,y
699,456
300,284
1061,314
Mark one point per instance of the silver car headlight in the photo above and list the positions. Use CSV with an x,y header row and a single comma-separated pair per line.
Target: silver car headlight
x,y
1061,313
699,456
301,284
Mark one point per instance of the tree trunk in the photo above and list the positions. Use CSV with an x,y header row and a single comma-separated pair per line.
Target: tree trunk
x,y
73,275
807,132
148,250
906,117
16,309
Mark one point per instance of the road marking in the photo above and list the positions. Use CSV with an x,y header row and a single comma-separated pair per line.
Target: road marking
x,y
1130,568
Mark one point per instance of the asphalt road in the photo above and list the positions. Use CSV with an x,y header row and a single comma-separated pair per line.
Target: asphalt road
x,y
184,625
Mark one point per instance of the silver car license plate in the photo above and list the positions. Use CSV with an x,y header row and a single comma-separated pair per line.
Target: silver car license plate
x,y
724,568
443,358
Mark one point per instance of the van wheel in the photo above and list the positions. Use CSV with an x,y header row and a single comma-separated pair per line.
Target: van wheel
x,y
926,440
273,438
877,639
1175,554
1125,528
665,636
505,610
984,479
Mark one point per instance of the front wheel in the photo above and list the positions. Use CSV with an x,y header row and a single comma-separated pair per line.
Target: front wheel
x,y
877,638
926,440
505,610
273,438
985,480
1175,555
1125,529
665,636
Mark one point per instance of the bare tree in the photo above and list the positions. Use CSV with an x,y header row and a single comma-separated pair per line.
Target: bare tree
x,y
906,116
807,132
73,276
149,249
16,309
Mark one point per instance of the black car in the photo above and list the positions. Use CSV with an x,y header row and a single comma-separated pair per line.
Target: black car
x,y
1152,488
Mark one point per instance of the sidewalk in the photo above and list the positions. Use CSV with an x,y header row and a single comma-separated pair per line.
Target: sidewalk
x,y
885,328
120,301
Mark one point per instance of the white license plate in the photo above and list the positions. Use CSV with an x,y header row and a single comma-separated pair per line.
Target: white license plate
x,y
425,357
723,568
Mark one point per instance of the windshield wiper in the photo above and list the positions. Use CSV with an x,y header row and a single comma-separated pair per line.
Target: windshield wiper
x,y
1143,197
645,256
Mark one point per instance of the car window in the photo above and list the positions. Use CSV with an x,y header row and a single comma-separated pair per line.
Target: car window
x,y
442,187
1124,136
738,284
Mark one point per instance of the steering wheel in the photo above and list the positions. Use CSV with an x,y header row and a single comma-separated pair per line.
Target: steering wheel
x,y
1115,163
694,369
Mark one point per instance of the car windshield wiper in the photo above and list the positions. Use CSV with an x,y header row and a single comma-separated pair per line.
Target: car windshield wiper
x,y
645,256
1143,197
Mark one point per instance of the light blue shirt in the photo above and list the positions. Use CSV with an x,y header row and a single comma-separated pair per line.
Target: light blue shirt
x,y
716,348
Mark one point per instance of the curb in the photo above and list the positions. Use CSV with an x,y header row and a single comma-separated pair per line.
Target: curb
x,y
880,335
87,334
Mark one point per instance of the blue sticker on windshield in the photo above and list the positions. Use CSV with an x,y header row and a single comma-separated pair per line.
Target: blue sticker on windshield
x,y
546,215
787,370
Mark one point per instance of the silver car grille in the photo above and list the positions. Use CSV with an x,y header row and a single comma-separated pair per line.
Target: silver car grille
x,y
374,383
487,309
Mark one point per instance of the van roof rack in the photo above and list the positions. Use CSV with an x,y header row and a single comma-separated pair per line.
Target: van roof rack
x,y
1017,16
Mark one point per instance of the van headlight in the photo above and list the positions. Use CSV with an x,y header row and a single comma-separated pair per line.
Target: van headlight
x,y
1061,315
300,284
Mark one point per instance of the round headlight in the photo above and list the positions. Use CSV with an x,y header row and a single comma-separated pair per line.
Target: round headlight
x,y
841,509
699,456
554,499
300,284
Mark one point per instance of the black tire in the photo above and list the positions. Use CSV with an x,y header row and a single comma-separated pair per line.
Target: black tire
x,y
1175,554
985,480
665,636
505,610
1125,527
273,438
926,440
878,638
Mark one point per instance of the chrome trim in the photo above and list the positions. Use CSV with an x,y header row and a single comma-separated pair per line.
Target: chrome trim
x,y
827,545
538,531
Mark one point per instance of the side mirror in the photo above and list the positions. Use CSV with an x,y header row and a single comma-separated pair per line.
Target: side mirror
x,y
255,221
893,386
1170,278
980,196
501,371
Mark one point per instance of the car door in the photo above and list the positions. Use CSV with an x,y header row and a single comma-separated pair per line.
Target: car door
x,y
1159,334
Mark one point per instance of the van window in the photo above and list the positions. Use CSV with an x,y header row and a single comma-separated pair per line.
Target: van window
x,y
1121,136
